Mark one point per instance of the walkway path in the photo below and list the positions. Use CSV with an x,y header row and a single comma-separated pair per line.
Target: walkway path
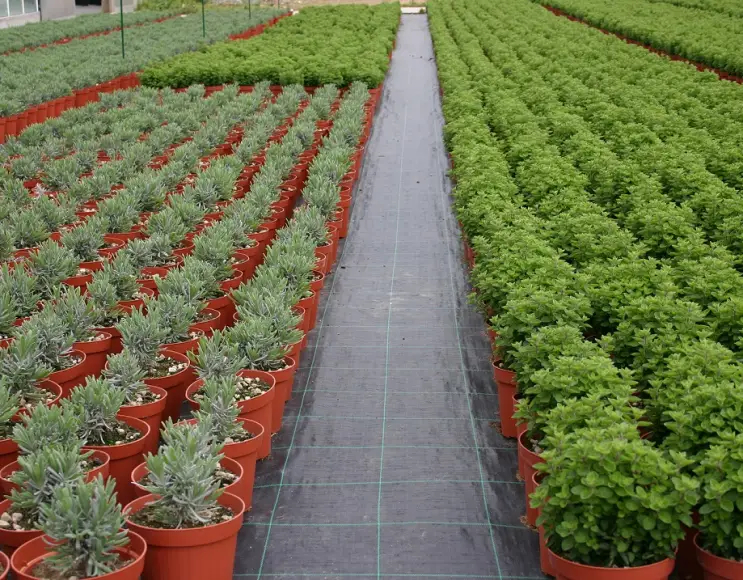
x,y
387,465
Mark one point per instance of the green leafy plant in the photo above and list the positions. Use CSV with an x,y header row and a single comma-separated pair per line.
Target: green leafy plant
x,y
142,335
217,357
38,478
96,405
721,516
86,522
610,484
46,427
219,412
123,372
51,265
182,475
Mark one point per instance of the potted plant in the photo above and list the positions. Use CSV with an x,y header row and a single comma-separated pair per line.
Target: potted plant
x,y
102,428
47,427
719,543
9,407
263,349
54,264
241,437
83,538
227,474
26,373
24,290
177,315
192,290
38,476
143,336
190,526
53,342
80,316
141,401
582,506
219,359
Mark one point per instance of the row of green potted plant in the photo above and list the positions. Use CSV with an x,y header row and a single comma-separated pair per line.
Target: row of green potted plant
x,y
40,34
336,44
621,397
187,452
36,77
139,166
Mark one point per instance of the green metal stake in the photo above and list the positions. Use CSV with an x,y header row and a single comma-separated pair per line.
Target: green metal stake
x,y
203,18
250,15
121,12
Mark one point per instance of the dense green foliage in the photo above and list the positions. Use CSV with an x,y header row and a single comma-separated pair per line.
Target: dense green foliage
x,y
600,189
710,36
339,45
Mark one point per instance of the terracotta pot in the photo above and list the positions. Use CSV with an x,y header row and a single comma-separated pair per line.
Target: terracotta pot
x,y
253,256
6,486
8,452
71,377
35,551
327,252
4,560
688,566
716,568
175,385
111,251
567,570
150,280
258,409
47,385
544,559
152,414
284,381
263,237
124,458
190,554
506,381
528,459
95,352
207,327
183,347
227,464
12,539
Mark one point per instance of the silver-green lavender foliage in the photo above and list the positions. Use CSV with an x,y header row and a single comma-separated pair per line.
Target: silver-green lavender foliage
x,y
37,478
219,411
123,373
89,523
46,427
182,474
217,357
95,405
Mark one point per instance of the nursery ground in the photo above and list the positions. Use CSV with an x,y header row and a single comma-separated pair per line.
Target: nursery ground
x,y
388,463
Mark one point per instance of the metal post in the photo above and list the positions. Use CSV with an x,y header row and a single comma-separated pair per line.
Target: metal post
x,y
121,13
250,15
203,18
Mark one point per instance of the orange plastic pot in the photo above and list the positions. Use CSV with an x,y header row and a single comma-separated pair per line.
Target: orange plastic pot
x,y
10,539
124,458
95,352
716,568
284,381
258,409
527,460
506,381
35,551
227,464
190,554
567,570
8,452
152,414
4,560
308,305
6,486
152,272
253,256
175,385
263,237
208,326
71,377
183,347
3,121
544,558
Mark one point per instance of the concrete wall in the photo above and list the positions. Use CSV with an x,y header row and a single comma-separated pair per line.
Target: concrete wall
x,y
55,9
18,20
113,5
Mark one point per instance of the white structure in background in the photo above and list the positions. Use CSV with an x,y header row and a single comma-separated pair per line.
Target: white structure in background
x,y
17,12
